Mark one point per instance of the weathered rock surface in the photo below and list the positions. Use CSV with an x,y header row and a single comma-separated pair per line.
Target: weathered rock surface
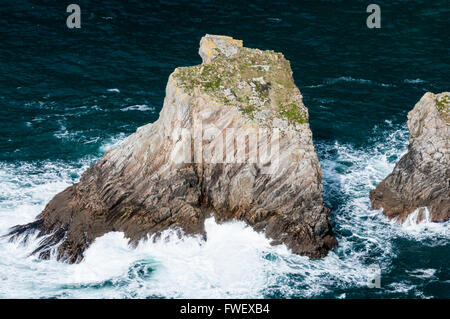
x,y
422,176
164,177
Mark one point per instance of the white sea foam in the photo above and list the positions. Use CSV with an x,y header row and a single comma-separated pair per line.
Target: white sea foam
x,y
347,79
423,273
138,107
417,218
112,142
235,261
414,81
314,86
277,20
62,133
418,226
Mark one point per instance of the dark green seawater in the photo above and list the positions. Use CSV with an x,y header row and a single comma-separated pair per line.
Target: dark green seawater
x,y
66,96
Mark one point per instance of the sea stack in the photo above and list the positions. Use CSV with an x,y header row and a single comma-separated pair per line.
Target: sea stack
x,y
232,141
420,181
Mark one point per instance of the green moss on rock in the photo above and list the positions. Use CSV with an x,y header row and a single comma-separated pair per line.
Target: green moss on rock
x,y
293,114
253,80
443,106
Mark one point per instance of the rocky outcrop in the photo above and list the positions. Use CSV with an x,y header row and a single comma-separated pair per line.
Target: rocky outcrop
x,y
232,140
421,179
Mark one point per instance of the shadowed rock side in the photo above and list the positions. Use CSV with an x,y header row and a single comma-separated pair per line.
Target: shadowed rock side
x,y
422,176
153,182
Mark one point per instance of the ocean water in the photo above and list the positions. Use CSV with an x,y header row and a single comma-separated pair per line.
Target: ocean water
x,y
67,96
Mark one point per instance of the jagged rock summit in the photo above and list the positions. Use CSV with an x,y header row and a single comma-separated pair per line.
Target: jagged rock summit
x,y
420,181
232,141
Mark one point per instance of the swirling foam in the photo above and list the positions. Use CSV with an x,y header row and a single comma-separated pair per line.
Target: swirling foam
x,y
235,261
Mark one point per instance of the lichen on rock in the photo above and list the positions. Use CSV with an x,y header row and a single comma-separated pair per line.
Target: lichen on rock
x,y
259,83
443,105
421,178
164,176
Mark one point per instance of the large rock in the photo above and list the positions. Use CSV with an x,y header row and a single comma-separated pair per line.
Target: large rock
x,y
232,140
421,179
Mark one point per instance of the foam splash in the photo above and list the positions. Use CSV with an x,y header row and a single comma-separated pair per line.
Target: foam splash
x,y
419,216
235,261
112,142
418,225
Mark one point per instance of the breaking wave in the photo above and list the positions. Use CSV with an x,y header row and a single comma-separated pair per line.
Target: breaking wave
x,y
235,261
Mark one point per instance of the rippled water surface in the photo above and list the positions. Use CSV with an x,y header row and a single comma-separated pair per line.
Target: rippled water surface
x,y
67,96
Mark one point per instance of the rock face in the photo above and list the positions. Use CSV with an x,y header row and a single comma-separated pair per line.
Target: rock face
x,y
232,140
422,176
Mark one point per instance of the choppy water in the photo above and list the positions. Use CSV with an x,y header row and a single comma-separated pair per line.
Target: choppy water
x,y
67,96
